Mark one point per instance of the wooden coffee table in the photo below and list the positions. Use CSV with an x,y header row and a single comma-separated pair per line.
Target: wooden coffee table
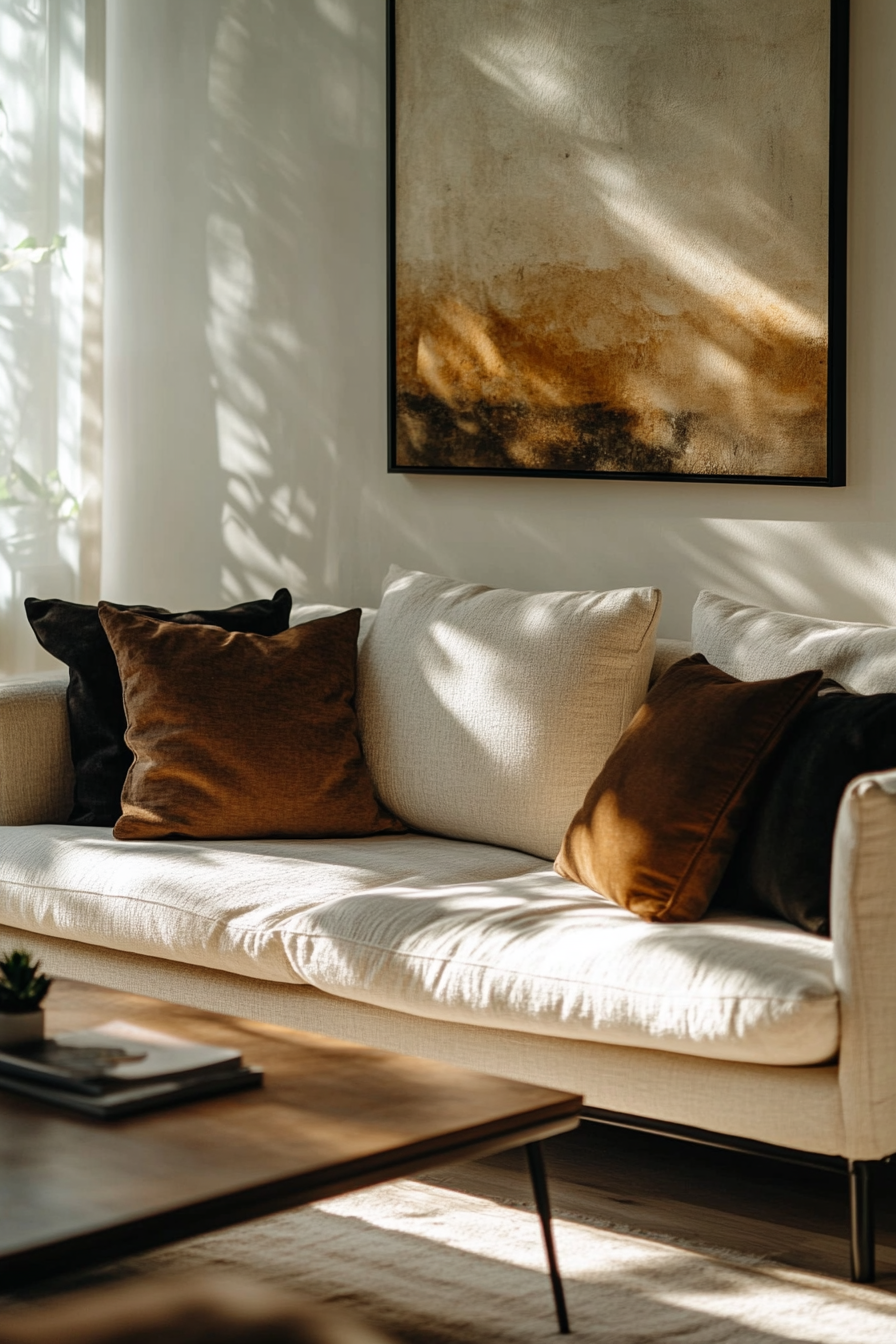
x,y
331,1117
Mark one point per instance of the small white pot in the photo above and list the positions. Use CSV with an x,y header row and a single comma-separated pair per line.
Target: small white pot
x,y
21,1028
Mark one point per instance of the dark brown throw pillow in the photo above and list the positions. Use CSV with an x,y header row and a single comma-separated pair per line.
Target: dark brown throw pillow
x,y
238,736
74,634
661,820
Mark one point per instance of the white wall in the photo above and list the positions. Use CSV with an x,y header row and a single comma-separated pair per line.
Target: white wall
x,y
246,364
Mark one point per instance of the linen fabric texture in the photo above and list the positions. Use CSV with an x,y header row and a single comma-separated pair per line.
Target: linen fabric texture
x,y
752,643
74,634
782,863
49,881
36,778
432,928
239,735
792,1107
660,822
668,653
485,712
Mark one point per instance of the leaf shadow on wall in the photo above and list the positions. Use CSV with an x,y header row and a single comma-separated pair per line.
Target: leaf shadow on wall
x,y
294,248
296,146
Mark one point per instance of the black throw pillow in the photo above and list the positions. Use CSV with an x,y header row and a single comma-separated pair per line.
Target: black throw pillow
x,y
781,866
74,634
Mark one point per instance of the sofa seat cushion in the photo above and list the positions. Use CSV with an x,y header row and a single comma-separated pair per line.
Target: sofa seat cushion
x,y
442,929
229,905
538,953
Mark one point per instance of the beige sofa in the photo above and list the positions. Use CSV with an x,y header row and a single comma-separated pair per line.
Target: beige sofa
x,y
746,1029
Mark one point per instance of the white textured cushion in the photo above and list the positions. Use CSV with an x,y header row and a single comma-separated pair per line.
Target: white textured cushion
x,y
752,643
436,928
794,1108
667,652
229,905
539,954
485,713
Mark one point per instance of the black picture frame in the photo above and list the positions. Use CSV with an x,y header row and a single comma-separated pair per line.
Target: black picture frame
x,y
834,473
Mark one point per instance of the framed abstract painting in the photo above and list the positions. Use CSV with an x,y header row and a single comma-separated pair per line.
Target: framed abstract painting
x,y
617,238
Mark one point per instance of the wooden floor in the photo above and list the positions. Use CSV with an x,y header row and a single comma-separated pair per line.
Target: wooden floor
x,y
789,1214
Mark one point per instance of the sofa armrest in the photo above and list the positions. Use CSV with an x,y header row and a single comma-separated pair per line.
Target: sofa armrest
x,y
36,775
863,928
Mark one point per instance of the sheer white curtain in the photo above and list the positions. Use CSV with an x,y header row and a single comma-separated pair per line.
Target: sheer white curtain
x,y
51,82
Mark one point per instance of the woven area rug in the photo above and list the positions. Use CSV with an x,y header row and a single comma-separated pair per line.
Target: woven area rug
x,y
434,1266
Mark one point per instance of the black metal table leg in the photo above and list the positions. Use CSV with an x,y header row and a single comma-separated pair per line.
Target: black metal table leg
x,y
543,1204
861,1222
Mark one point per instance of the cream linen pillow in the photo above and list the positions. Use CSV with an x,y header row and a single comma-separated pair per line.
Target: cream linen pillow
x,y
485,714
753,644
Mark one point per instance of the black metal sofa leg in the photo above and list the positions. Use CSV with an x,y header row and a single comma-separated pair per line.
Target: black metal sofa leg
x,y
861,1221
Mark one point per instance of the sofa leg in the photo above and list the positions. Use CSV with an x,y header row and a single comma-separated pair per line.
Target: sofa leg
x,y
861,1221
539,1177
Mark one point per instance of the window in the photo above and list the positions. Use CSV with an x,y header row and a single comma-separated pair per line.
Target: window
x,y
50,309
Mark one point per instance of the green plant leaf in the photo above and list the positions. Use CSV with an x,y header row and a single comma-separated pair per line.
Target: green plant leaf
x,y
46,251
30,482
22,990
20,486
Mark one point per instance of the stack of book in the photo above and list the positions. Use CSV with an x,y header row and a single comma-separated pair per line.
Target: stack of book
x,y
121,1069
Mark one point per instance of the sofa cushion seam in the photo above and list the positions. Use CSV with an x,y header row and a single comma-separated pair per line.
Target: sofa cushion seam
x,y
136,900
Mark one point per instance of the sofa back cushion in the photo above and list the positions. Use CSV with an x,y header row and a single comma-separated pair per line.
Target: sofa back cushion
x,y
667,651
752,643
486,713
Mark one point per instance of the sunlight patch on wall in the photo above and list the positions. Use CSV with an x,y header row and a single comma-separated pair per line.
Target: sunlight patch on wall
x,y
43,256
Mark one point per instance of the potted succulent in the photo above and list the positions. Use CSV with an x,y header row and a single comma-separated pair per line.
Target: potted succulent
x,y
22,991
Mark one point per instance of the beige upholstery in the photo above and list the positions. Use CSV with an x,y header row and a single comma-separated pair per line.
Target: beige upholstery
x,y
847,1109
486,713
863,931
440,928
36,777
230,905
793,1107
536,953
668,651
753,643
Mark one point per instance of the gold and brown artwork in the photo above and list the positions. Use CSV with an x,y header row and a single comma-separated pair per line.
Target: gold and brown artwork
x,y
612,239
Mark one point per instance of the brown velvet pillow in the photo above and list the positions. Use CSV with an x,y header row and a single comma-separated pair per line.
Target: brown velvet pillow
x,y
661,820
238,735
